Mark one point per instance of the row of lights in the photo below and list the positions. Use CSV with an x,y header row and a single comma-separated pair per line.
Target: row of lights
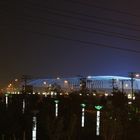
x,y
65,81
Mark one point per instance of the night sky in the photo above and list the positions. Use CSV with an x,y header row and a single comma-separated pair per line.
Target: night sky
x,y
66,38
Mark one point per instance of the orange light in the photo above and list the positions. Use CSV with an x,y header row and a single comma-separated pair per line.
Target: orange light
x,y
66,82
16,80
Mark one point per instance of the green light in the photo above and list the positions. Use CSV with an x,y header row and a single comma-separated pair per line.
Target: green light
x,y
6,94
56,101
83,105
98,107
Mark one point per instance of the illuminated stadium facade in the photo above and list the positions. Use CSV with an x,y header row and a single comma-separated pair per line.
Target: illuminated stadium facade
x,y
97,83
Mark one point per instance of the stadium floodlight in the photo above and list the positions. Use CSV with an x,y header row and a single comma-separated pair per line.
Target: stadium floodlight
x,y
133,75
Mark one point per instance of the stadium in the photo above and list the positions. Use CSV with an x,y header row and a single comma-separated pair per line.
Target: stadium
x,y
100,84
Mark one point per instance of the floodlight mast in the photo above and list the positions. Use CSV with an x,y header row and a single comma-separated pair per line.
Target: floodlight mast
x,y
132,76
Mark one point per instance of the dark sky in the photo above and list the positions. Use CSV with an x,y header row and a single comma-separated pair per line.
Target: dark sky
x,y
66,38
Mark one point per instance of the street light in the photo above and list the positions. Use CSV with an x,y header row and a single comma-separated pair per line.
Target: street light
x,y
83,115
6,100
56,108
34,128
98,108
66,82
137,75
44,82
58,78
23,106
16,80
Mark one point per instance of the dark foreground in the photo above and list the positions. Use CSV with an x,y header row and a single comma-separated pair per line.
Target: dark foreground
x,y
119,121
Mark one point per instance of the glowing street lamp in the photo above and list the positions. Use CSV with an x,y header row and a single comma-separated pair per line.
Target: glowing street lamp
x,y
23,106
66,82
58,78
137,75
34,124
6,100
98,108
9,85
34,128
44,82
56,108
16,80
83,115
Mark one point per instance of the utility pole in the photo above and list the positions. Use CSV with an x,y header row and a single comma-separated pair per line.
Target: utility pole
x,y
83,83
122,86
113,85
24,78
132,84
26,88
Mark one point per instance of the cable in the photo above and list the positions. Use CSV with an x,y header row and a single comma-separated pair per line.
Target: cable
x,y
67,15
84,42
91,20
104,8
103,31
96,44
86,15
80,28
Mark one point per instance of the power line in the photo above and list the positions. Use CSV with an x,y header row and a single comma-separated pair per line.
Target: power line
x,y
90,43
59,13
81,26
90,30
84,42
68,15
92,20
102,32
104,8
86,15
96,17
